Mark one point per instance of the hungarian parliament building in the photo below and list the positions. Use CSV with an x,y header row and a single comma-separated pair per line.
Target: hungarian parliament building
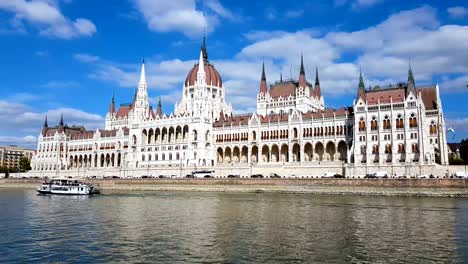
x,y
399,129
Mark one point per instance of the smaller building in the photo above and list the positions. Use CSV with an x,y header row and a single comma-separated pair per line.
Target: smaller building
x,y
10,155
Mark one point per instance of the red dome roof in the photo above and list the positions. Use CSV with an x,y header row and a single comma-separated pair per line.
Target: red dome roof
x,y
212,75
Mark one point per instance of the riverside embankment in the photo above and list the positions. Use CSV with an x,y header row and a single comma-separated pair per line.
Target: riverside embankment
x,y
386,187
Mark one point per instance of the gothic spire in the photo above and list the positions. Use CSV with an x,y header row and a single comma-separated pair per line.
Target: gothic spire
x,y
45,122
61,120
263,72
203,48
317,82
263,84
302,79
302,65
410,75
361,80
361,87
142,73
112,105
317,91
159,110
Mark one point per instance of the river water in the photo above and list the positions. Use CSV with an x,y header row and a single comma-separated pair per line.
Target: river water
x,y
196,227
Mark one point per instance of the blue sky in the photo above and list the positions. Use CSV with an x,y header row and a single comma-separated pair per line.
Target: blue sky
x,y
69,56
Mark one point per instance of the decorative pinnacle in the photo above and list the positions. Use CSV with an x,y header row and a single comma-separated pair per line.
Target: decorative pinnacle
x,y
317,82
361,80
263,72
302,65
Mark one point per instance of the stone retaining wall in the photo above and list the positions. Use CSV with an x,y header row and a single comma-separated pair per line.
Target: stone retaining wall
x,y
388,183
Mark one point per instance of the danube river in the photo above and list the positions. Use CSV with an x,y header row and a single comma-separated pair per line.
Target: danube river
x,y
193,227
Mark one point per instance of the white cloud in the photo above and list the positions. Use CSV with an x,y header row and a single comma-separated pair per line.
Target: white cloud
x,y
29,141
383,51
459,125
219,9
83,57
457,11
46,16
359,4
180,16
29,121
61,84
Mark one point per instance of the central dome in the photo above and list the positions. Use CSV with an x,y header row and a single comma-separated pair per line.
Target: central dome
x,y
212,75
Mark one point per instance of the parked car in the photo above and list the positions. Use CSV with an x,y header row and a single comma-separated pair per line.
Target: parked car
x,y
233,176
381,174
256,176
274,175
339,176
461,174
328,175
189,176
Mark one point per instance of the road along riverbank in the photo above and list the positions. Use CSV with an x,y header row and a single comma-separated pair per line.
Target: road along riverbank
x,y
383,187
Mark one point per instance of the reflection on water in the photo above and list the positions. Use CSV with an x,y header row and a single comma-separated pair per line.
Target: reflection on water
x,y
176,227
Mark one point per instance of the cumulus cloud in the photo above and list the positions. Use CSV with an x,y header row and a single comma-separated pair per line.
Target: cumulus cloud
x,y
83,57
182,16
47,18
457,11
383,51
29,121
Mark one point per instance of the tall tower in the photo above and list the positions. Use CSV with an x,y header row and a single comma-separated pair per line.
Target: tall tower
x,y
141,107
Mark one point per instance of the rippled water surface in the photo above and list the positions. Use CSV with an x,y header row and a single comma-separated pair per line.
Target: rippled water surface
x,y
177,227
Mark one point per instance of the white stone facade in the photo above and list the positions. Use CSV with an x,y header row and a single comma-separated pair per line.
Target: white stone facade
x,y
399,129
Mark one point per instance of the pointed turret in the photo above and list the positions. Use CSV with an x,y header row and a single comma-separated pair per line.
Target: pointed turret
x,y
203,49
361,89
201,76
61,120
112,105
263,83
142,73
46,125
411,83
159,110
317,90
302,79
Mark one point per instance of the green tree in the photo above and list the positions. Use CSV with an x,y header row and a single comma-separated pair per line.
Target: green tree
x,y
464,151
24,164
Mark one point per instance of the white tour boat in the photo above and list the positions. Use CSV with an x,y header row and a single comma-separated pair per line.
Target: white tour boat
x,y
66,187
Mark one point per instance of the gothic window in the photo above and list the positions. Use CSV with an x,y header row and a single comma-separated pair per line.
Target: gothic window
x,y
375,149
388,149
386,123
374,125
399,122
401,148
412,121
432,128
363,150
362,124
414,148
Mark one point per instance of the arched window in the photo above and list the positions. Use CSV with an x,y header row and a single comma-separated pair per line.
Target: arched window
x,y
401,148
375,149
143,157
414,148
363,150
362,124
399,122
386,123
388,149
374,124
412,121
432,128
